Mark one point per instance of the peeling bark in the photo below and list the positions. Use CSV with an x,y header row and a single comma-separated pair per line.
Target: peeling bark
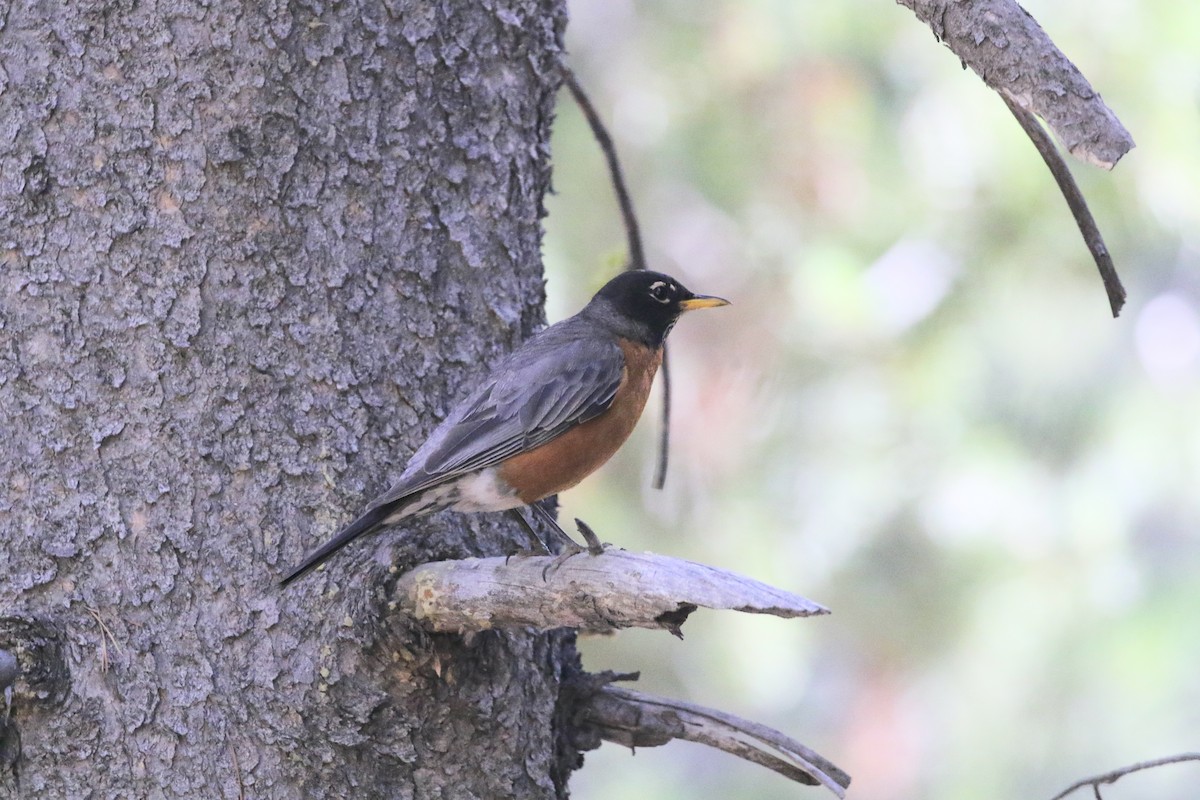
x,y
248,252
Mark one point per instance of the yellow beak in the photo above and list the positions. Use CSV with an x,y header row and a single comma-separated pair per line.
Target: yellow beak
x,y
702,301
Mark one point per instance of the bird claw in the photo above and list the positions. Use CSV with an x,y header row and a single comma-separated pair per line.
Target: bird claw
x,y
594,545
523,553
569,551
569,546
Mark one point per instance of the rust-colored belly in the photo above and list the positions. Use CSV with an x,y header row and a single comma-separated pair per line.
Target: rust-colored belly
x,y
566,460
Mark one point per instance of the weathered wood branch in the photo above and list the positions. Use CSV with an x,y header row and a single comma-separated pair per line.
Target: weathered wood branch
x,y
637,719
617,589
1006,47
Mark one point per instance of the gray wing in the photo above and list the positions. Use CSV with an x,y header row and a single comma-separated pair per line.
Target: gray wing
x,y
556,381
560,378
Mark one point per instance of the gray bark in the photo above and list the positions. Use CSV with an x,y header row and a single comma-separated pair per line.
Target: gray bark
x,y
248,253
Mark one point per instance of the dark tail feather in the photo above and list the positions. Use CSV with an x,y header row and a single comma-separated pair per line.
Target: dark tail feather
x,y
369,520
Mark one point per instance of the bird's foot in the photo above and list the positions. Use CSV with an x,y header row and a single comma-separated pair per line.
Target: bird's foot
x,y
569,550
522,554
594,545
537,545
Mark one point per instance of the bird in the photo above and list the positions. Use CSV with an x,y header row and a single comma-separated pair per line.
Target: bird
x,y
546,416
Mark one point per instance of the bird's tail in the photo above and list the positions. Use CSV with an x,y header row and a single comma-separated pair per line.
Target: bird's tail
x,y
369,520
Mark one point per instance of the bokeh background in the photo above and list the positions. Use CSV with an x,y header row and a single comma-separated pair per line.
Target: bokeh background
x,y
918,411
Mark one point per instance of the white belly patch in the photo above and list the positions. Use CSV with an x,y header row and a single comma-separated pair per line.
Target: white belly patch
x,y
480,491
484,491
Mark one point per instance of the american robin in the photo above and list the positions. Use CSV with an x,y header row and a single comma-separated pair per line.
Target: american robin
x,y
546,417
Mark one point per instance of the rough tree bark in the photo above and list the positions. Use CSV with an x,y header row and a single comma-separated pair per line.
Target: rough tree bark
x,y
249,250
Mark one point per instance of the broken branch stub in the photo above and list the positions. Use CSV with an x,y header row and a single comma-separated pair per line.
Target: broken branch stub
x,y
637,719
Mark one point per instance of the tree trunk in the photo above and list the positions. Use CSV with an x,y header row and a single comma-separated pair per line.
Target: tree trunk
x,y
250,252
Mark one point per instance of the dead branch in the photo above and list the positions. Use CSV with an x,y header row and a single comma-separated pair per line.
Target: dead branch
x,y
1075,201
633,232
636,719
1006,47
617,589
1112,777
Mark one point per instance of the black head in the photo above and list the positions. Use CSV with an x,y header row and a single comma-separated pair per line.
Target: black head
x,y
644,305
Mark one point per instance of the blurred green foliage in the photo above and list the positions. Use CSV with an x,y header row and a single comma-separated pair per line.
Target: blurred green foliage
x,y
918,411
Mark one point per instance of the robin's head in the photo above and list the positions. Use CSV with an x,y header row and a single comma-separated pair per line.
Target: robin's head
x,y
644,305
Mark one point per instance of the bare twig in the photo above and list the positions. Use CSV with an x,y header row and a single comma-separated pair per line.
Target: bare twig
x,y
637,255
1097,781
1006,47
636,719
1074,197
617,589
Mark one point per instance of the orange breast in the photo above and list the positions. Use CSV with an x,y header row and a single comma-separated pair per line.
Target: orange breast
x,y
563,462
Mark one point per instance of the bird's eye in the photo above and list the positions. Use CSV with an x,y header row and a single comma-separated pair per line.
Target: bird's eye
x,y
660,291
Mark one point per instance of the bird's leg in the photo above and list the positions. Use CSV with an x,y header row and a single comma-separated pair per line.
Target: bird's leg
x,y
535,539
569,545
570,548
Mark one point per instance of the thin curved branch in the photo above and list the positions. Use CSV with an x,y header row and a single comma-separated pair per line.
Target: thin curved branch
x,y
1006,47
637,254
1075,201
637,719
616,589
1097,781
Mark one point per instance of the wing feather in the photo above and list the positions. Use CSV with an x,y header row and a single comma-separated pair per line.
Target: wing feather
x,y
559,379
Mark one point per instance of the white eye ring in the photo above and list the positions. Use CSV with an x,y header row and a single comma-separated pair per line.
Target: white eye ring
x,y
657,292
